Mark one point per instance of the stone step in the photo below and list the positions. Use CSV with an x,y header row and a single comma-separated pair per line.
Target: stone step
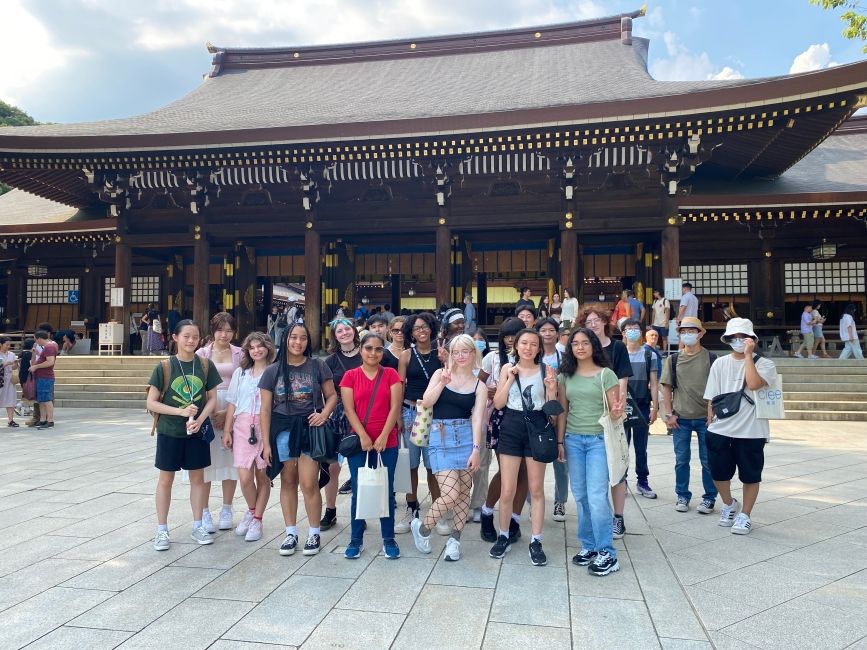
x,y
819,387
851,365
97,387
104,376
90,404
827,416
102,394
822,405
855,380
806,396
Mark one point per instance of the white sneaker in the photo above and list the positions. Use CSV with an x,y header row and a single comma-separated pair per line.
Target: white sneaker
x,y
812,356
682,504
422,543
161,541
727,513
743,524
798,355
402,526
477,515
444,527
201,536
453,550
244,526
254,532
225,519
559,512
208,522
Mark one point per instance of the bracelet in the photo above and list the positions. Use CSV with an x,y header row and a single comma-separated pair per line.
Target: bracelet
x,y
475,446
560,443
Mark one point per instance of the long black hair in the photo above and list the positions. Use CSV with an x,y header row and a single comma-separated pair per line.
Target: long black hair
x,y
283,356
568,362
509,327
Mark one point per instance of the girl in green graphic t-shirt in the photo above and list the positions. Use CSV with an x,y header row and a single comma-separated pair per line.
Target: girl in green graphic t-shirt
x,y
190,397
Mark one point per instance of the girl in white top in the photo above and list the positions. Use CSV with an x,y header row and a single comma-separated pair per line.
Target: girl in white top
x,y
570,308
7,385
243,432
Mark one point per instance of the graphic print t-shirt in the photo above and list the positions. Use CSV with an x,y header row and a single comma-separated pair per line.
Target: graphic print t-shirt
x,y
305,387
182,393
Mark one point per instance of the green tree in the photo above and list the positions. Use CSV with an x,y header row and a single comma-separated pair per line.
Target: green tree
x,y
13,116
854,18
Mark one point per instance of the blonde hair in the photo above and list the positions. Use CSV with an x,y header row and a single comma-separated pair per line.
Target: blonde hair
x,y
397,320
464,341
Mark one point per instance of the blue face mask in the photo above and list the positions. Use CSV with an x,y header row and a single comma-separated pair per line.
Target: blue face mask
x,y
737,345
633,335
480,345
689,338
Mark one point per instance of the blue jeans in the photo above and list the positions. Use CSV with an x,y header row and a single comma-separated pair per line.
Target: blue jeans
x,y
682,437
561,482
386,524
588,473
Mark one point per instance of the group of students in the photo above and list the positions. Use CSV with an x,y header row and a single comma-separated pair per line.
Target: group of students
x,y
37,360
250,414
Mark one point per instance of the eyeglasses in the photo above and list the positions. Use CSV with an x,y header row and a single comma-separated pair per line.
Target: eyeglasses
x,y
375,349
593,321
581,344
421,328
632,329
396,330
463,352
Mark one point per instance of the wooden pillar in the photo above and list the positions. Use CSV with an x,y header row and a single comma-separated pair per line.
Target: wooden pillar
x,y
442,264
569,273
313,285
481,299
395,293
670,252
245,289
15,294
122,280
201,282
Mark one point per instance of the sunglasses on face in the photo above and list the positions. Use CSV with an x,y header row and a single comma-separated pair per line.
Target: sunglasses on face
x,y
396,330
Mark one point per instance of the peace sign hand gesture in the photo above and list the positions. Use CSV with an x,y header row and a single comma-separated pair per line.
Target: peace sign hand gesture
x,y
446,376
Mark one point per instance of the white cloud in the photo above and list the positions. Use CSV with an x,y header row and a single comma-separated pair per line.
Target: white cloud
x,y
681,64
27,52
815,57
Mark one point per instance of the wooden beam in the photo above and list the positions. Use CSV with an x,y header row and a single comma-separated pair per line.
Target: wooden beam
x,y
313,285
122,280
569,261
443,264
201,286
670,252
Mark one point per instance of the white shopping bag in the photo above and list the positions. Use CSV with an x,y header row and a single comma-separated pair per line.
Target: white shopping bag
x,y
372,499
769,401
616,445
402,480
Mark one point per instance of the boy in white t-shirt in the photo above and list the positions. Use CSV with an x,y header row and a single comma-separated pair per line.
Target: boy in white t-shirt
x,y
738,441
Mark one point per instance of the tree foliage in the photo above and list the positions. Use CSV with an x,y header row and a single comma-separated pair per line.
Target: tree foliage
x,y
853,17
13,116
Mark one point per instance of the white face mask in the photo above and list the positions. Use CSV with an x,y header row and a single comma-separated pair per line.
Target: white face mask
x,y
738,345
689,339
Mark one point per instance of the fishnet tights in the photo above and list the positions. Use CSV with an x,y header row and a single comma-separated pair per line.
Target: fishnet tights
x,y
456,486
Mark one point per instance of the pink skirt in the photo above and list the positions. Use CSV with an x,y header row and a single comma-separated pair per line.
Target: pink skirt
x,y
246,454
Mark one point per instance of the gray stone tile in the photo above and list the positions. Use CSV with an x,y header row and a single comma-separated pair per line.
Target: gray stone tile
x,y
801,623
531,595
308,598
475,568
127,569
227,550
76,638
140,510
195,623
38,577
701,526
621,585
94,507
831,559
255,577
223,644
717,612
691,570
15,535
763,585
850,593
508,636
627,624
684,644
460,610
331,562
36,617
115,543
405,578
675,542
146,601
736,551
27,553
355,630
771,512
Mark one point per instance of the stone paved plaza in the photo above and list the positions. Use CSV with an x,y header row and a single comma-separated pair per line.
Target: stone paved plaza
x,y
78,570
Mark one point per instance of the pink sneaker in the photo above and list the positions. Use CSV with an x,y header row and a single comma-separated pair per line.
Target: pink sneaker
x,y
254,534
244,526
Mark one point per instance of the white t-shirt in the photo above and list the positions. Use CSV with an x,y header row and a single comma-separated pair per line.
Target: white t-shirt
x,y
659,307
570,309
552,360
536,389
845,323
727,376
244,391
689,301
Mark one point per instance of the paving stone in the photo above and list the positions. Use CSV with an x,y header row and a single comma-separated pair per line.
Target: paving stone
x,y
460,610
32,551
308,598
684,644
621,585
719,611
475,568
356,630
253,578
127,569
77,638
763,585
223,644
737,551
110,545
531,595
146,601
508,636
849,593
603,623
405,578
37,578
227,550
831,559
35,529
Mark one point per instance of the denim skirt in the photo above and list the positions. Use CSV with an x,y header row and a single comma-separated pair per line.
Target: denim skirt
x,y
451,443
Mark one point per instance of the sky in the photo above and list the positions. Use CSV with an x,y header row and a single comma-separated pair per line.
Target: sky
x,y
87,60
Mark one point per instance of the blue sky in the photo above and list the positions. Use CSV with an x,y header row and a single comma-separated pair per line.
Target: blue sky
x,y
84,60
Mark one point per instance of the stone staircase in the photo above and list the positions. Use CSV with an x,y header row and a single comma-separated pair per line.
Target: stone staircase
x,y
102,382
824,389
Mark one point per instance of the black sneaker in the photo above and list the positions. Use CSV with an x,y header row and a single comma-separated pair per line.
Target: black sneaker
x,y
45,425
537,555
618,527
489,533
502,546
603,565
311,546
329,519
346,488
514,531
583,557
289,544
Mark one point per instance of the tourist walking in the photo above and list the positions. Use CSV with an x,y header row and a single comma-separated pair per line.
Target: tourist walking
x,y
807,335
818,333
688,303
570,309
8,394
372,396
684,378
227,358
43,373
525,298
622,310
737,440
849,334
154,339
28,354
458,400
182,395
586,384
297,393
243,431
661,309
469,314
522,390
641,405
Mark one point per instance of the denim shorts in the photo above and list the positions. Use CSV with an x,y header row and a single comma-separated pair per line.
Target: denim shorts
x,y
451,443
416,454
44,390
283,453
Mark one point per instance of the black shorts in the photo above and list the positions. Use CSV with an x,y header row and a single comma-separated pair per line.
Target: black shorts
x,y
514,438
174,454
662,331
724,454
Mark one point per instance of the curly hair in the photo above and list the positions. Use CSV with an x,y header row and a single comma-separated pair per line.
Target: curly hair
x,y
599,310
410,322
568,361
265,341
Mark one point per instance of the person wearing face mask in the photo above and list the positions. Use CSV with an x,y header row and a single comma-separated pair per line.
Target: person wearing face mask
x,y
738,441
643,389
684,377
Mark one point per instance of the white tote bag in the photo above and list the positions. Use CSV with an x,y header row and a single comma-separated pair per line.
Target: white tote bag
x,y
402,479
769,401
373,492
616,445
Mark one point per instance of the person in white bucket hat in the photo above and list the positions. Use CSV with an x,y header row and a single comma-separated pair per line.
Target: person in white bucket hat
x,y
736,438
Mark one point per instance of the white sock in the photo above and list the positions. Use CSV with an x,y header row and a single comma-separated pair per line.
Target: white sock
x,y
504,533
163,527
197,524
313,531
292,530
487,511
227,507
536,538
516,518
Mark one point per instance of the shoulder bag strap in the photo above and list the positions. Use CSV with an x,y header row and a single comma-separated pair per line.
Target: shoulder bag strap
x,y
606,410
372,396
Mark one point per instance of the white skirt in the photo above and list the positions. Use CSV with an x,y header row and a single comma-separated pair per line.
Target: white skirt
x,y
222,467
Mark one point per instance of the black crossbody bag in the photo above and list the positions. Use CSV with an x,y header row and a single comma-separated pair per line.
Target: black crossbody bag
x,y
728,404
350,444
543,437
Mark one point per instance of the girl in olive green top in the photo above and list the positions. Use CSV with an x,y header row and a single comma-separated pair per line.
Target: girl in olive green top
x,y
585,380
